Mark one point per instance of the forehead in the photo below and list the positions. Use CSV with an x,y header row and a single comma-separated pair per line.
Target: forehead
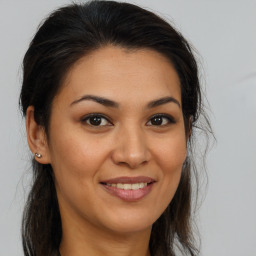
x,y
122,74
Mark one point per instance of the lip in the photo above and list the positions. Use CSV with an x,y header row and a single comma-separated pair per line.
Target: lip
x,y
129,195
129,180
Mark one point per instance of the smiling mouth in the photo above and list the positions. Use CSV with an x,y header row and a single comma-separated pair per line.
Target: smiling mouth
x,y
129,188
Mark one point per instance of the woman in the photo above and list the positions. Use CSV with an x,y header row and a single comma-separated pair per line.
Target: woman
x,y
111,97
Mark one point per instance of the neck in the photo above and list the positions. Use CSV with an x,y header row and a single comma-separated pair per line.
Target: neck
x,y
86,239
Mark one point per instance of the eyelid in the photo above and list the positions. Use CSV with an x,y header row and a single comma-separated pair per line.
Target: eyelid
x,y
86,117
171,119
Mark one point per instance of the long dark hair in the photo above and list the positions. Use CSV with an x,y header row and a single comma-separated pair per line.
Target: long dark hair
x,y
65,36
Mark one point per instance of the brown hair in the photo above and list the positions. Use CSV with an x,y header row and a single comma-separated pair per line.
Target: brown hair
x,y
67,35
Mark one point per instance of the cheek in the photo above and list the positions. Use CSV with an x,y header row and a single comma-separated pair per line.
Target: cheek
x,y
171,165
75,159
171,153
171,156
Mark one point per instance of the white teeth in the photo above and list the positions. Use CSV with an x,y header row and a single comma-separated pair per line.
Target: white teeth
x,y
127,186
134,186
119,185
142,185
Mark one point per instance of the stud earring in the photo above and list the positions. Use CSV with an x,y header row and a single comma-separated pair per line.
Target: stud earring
x,y
38,155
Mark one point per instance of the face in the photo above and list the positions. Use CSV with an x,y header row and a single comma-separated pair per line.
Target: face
x,y
117,141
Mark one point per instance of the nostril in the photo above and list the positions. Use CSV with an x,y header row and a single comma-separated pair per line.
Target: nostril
x,y
130,152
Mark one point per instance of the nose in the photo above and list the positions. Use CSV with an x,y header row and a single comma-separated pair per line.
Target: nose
x,y
131,148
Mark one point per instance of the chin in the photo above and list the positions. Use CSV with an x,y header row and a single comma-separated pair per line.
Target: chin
x,y
124,223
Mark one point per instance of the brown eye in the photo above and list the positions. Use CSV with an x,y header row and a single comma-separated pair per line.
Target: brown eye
x,y
96,120
157,120
160,120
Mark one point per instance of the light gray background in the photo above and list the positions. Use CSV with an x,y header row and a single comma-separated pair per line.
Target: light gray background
x,y
224,33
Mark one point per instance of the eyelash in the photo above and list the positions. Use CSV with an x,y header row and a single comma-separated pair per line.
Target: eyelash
x,y
170,119
88,118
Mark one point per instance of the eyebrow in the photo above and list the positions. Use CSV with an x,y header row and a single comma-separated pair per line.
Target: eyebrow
x,y
161,101
109,103
98,99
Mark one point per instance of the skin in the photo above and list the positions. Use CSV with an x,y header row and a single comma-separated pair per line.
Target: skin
x,y
127,143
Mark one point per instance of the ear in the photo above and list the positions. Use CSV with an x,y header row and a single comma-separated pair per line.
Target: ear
x,y
36,138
